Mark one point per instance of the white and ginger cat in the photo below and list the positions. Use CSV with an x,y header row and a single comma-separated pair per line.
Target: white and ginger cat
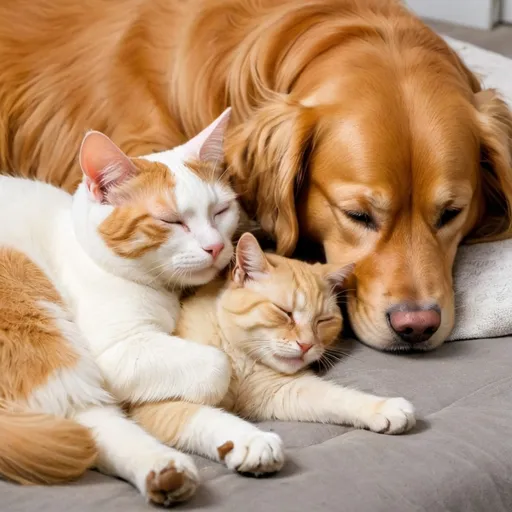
x,y
273,318
87,303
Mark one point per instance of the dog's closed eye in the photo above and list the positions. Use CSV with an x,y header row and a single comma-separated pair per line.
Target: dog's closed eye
x,y
447,216
360,217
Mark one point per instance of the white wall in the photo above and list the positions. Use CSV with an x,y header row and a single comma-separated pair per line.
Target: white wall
x,y
472,13
506,11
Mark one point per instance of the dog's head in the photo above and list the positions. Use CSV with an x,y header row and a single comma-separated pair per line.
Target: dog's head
x,y
390,166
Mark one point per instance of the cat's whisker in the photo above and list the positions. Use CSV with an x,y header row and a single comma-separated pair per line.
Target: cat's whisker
x,y
258,347
325,364
164,264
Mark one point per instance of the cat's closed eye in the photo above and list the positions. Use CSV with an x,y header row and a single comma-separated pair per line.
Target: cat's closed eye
x,y
222,209
173,221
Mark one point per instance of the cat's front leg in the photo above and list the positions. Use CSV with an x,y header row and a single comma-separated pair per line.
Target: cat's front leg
x,y
310,398
139,360
163,475
213,433
154,366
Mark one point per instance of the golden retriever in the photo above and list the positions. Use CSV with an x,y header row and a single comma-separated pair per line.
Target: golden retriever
x,y
354,126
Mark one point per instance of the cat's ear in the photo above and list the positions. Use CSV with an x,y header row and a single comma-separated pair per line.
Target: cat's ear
x,y
104,165
334,275
251,262
208,145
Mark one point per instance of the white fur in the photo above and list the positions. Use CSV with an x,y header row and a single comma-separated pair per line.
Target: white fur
x,y
127,451
70,388
124,449
126,323
122,312
127,312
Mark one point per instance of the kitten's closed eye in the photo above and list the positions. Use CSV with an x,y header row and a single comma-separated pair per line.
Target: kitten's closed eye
x,y
325,320
284,312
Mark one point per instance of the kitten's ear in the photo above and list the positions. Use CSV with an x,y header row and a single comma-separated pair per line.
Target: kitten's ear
x,y
208,146
251,262
335,276
104,165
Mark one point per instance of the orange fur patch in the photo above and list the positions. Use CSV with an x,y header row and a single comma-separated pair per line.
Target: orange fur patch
x,y
36,448
224,449
132,229
164,420
43,449
31,345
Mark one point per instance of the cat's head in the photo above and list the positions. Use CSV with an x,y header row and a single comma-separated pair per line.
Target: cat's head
x,y
167,218
282,312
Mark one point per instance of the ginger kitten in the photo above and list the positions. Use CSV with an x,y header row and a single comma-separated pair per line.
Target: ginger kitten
x,y
273,318
89,292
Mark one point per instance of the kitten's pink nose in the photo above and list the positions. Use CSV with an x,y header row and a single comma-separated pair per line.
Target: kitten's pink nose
x,y
304,346
214,249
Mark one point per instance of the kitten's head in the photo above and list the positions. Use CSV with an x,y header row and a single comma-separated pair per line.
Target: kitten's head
x,y
282,312
166,218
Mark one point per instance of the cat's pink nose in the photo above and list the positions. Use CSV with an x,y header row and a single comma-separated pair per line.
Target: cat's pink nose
x,y
214,249
304,346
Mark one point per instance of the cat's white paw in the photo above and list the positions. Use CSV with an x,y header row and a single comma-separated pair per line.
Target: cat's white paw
x,y
390,416
171,480
259,454
210,377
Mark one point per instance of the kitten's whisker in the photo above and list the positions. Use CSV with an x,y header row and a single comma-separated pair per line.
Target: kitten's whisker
x,y
335,351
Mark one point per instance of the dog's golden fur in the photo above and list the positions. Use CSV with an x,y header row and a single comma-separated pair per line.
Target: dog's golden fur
x,y
354,125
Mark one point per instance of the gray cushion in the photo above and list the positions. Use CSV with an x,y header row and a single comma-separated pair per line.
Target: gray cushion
x,y
458,458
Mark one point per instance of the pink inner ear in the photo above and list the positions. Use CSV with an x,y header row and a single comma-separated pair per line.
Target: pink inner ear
x,y
103,164
94,190
208,145
249,257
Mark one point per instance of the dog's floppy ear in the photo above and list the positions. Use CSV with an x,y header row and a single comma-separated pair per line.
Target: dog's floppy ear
x,y
496,166
267,155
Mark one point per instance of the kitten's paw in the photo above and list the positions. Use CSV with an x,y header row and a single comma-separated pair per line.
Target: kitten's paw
x,y
391,416
172,481
259,454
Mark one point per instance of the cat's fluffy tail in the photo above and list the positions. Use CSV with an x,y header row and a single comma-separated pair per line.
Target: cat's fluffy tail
x,y
43,449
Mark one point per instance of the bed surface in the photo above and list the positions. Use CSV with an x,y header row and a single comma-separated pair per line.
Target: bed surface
x,y
459,457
